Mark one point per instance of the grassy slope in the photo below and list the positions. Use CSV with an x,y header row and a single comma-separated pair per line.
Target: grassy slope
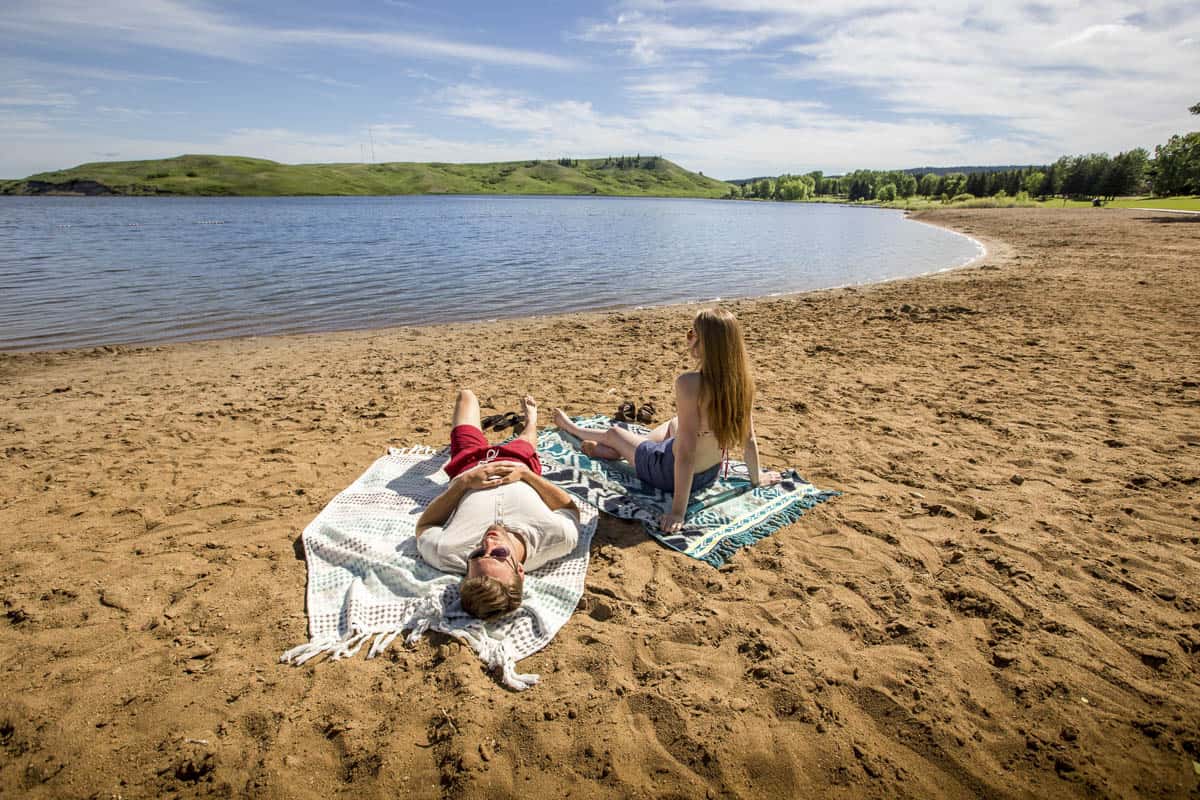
x,y
234,175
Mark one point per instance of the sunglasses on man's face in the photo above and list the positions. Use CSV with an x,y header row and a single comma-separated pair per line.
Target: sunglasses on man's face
x,y
498,553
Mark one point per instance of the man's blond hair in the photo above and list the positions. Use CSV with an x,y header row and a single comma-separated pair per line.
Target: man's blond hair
x,y
486,597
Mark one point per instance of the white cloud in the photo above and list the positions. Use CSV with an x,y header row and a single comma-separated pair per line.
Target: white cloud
x,y
184,26
731,87
726,136
667,83
31,94
327,81
141,113
1043,80
649,38
28,66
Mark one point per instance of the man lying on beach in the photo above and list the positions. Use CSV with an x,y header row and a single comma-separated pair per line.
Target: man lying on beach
x,y
498,517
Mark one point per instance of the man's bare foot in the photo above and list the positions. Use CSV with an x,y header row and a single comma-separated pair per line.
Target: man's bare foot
x,y
530,407
596,450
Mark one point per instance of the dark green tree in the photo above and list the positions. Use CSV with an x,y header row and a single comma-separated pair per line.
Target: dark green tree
x,y
1124,175
1034,182
954,183
1176,168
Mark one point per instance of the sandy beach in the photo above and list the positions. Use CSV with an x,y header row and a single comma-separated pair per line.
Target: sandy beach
x,y
1003,602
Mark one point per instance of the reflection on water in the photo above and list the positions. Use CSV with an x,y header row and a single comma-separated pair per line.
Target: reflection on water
x,y
86,271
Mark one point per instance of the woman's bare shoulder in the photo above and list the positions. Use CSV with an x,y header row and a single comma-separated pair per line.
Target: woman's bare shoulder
x,y
688,382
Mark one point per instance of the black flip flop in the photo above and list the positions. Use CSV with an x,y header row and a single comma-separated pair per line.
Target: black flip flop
x,y
625,412
510,420
488,422
645,414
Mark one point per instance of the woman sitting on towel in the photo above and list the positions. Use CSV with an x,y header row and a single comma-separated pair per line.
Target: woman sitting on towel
x,y
714,413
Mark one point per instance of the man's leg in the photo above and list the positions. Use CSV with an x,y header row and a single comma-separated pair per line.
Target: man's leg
x,y
530,407
467,442
466,409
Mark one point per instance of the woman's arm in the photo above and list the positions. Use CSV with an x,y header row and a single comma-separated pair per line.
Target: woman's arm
x,y
750,448
687,410
757,477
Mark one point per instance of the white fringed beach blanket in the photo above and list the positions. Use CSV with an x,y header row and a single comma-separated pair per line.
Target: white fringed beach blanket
x,y
365,578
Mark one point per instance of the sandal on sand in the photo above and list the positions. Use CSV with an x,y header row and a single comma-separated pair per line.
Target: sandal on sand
x,y
625,412
488,422
511,419
645,414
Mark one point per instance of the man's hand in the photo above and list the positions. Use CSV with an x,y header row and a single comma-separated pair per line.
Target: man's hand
x,y
489,476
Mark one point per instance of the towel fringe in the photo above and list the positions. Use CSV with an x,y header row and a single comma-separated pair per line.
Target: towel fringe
x,y
298,655
414,450
497,654
382,642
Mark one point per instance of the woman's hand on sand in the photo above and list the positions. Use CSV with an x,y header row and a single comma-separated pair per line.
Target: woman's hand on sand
x,y
670,522
768,477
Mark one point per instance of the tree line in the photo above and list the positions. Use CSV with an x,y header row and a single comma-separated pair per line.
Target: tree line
x,y
638,161
1174,170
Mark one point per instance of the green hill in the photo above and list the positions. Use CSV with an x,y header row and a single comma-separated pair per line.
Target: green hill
x,y
234,175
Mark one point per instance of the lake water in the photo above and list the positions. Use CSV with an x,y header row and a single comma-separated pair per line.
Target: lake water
x,y
78,272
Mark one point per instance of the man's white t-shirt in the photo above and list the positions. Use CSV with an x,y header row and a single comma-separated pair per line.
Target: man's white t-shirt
x,y
548,534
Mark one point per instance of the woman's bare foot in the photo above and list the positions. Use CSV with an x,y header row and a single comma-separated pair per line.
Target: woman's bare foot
x,y
596,450
564,423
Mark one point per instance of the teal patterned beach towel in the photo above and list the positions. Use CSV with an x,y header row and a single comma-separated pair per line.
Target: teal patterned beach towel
x,y
722,519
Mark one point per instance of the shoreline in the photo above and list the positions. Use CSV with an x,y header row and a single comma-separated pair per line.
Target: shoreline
x,y
1001,603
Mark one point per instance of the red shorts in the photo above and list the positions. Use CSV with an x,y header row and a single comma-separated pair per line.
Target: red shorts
x,y
468,447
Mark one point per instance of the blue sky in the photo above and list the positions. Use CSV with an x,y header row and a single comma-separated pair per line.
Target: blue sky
x,y
731,87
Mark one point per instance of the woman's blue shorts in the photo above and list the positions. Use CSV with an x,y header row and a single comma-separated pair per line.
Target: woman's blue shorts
x,y
655,465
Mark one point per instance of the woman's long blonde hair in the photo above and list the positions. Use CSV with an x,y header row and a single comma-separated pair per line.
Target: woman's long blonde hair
x,y
726,386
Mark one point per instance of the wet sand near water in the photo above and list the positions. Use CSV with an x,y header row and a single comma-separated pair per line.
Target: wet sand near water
x,y
1003,603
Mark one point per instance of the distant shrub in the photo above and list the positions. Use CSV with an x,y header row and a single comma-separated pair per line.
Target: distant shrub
x,y
962,198
1022,197
193,175
996,202
153,176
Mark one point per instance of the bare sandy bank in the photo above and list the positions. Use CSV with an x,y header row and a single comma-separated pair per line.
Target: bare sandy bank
x,y
1003,602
